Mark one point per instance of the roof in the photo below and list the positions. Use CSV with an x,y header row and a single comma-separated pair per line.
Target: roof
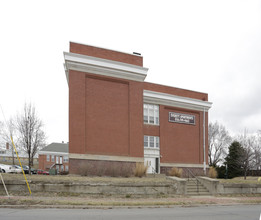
x,y
8,153
56,147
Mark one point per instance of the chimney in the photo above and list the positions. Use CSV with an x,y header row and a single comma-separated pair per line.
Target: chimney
x,y
7,146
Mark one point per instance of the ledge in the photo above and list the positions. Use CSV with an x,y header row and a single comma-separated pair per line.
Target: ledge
x,y
175,101
103,67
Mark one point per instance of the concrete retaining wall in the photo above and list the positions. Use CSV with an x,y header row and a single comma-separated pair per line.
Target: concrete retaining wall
x,y
175,186
179,183
96,188
239,188
210,184
215,187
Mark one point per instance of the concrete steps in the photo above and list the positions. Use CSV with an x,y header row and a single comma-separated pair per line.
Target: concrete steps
x,y
194,187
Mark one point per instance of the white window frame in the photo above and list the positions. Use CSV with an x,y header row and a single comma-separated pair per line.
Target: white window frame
x,y
65,159
48,158
151,142
151,111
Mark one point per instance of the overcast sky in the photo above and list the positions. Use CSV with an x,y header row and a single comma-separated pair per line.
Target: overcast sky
x,y
207,46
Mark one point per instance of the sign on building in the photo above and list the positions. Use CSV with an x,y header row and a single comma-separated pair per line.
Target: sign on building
x,y
181,118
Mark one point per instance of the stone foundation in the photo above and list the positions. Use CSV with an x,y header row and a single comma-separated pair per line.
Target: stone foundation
x,y
185,174
101,167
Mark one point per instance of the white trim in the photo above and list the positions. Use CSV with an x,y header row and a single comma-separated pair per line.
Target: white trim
x,y
106,157
53,153
175,101
151,153
103,67
183,165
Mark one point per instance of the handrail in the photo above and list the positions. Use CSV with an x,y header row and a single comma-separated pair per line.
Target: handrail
x,y
191,173
153,170
52,166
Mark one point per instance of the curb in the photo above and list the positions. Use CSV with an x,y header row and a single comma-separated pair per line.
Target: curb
x,y
114,207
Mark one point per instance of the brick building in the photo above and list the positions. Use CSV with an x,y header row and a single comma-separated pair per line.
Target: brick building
x,y
54,155
8,156
117,118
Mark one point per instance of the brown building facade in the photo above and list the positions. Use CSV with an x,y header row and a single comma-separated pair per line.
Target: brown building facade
x,y
116,118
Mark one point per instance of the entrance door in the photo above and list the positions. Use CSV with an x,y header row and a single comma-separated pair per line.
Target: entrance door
x,y
157,165
152,164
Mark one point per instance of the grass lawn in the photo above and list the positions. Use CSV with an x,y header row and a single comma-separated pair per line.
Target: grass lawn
x,y
240,180
76,178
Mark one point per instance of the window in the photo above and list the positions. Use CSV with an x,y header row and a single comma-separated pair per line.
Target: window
x,y
52,158
61,160
151,114
151,141
146,141
47,158
65,159
66,168
62,168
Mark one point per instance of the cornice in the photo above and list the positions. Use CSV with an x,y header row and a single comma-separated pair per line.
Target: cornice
x,y
175,101
103,67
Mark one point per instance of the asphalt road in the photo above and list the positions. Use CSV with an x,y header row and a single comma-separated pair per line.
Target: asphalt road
x,y
238,212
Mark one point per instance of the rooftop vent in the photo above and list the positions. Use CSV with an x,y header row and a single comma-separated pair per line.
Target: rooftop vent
x,y
135,53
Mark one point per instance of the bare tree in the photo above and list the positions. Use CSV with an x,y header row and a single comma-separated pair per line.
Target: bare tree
x,y
218,141
31,136
248,142
1,132
9,131
257,151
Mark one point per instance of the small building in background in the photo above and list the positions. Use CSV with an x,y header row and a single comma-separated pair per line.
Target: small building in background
x,y
54,156
8,156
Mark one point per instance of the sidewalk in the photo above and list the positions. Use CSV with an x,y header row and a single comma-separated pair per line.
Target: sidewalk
x,y
127,201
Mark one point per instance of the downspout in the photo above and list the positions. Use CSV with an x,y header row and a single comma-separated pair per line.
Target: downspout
x,y
204,142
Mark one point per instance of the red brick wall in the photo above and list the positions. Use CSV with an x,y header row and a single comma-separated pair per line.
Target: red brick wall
x,y
136,119
41,160
105,115
76,112
106,54
107,122
179,143
175,91
45,165
151,130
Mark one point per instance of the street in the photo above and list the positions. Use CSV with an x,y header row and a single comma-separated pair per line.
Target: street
x,y
238,212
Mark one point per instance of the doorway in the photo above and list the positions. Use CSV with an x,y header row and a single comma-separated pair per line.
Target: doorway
x,y
152,163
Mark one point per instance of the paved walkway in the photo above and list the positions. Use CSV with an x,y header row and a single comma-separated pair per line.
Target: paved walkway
x,y
128,201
